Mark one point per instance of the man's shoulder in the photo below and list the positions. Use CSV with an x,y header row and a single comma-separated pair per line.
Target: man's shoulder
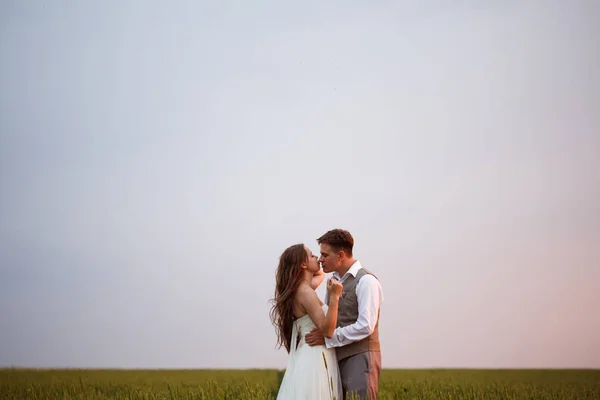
x,y
368,281
363,272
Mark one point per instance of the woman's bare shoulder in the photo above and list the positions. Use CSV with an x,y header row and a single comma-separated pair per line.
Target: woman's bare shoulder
x,y
304,289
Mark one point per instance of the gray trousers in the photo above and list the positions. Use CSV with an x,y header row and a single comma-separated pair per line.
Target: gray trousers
x,y
360,375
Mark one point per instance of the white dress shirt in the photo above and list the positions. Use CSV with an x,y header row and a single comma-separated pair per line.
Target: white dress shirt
x,y
370,297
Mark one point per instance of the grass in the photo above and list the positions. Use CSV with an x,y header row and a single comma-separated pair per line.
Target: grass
x,y
263,384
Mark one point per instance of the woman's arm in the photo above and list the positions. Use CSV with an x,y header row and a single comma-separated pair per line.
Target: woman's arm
x,y
317,279
310,301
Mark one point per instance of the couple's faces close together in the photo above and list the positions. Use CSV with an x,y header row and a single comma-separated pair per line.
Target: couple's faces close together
x,y
312,261
329,260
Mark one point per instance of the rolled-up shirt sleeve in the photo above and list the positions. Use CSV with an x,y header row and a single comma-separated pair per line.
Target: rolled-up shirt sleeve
x,y
370,297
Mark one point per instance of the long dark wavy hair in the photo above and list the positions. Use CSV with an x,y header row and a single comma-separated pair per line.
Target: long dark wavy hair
x,y
287,279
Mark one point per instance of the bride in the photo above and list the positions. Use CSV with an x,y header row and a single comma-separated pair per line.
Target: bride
x,y
312,372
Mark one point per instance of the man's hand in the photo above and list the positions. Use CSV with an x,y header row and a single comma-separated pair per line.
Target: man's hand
x,y
315,338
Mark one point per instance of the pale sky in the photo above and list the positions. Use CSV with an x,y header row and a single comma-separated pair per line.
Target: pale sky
x,y
157,157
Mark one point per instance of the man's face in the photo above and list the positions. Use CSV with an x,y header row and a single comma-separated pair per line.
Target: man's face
x,y
330,260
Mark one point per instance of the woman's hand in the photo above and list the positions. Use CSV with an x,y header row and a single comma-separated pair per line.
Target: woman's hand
x,y
334,288
317,279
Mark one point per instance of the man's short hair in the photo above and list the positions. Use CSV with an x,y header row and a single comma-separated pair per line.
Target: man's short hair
x,y
338,239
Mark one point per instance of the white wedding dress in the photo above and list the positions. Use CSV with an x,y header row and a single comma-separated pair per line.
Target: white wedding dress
x,y
312,372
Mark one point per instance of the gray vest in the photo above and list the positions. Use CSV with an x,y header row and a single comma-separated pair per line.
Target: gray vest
x,y
348,314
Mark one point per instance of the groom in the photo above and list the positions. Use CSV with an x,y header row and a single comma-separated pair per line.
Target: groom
x,y
356,338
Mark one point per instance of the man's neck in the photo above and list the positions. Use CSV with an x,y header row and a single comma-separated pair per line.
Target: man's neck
x,y
347,265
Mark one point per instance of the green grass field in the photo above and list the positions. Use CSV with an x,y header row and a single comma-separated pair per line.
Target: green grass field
x,y
263,384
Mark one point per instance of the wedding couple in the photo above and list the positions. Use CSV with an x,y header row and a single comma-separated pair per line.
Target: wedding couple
x,y
334,347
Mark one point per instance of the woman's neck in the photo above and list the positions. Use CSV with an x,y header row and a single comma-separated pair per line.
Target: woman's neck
x,y
307,276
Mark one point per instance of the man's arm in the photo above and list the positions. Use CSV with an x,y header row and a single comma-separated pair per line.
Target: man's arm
x,y
370,297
